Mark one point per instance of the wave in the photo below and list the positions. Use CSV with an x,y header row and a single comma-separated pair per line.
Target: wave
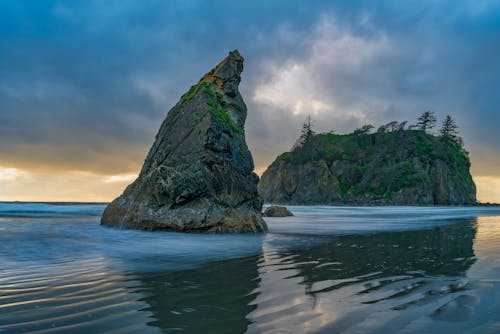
x,y
50,210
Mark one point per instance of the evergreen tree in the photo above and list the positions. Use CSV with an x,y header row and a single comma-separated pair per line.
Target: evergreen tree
x,y
365,129
382,129
449,130
402,126
307,132
426,121
391,126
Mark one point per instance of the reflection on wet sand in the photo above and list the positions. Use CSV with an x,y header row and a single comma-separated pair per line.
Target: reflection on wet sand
x,y
343,283
69,275
74,296
215,298
363,282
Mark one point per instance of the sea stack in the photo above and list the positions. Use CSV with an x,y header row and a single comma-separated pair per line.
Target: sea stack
x,y
198,175
403,167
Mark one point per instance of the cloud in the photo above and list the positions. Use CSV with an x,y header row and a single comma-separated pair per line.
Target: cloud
x,y
120,178
10,174
85,85
309,86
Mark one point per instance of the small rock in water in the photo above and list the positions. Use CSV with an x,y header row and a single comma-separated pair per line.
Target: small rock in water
x,y
277,211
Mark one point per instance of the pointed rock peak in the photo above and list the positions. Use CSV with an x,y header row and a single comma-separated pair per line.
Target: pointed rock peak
x,y
226,76
198,175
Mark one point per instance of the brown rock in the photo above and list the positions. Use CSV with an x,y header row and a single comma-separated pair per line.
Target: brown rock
x,y
277,211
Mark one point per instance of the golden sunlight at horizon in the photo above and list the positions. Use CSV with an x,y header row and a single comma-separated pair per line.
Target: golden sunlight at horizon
x,y
22,185
25,186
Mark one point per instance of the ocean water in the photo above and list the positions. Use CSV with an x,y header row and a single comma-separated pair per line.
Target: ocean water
x,y
327,270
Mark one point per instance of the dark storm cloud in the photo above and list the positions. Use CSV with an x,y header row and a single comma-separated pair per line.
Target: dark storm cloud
x,y
84,85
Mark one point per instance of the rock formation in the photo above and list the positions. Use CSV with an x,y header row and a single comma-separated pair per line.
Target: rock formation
x,y
406,167
198,175
277,211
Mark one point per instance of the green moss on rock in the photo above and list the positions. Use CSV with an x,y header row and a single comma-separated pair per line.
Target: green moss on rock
x,y
221,114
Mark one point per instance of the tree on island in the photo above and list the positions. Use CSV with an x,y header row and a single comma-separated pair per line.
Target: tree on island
x,y
426,121
449,130
382,129
365,129
392,126
306,134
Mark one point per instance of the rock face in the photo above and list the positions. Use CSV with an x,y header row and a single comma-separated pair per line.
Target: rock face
x,y
198,176
277,211
406,167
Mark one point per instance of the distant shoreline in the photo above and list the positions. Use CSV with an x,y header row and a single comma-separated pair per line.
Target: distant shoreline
x,y
387,205
344,204
51,203
487,204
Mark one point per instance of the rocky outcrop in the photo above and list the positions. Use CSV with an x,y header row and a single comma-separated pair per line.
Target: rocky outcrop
x,y
198,175
405,167
277,211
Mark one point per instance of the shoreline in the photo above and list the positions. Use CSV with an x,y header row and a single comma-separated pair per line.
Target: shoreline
x,y
488,204
51,203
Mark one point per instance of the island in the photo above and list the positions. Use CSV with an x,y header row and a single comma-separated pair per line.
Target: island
x,y
394,165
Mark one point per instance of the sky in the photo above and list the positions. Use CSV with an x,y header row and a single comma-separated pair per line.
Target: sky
x,y
85,85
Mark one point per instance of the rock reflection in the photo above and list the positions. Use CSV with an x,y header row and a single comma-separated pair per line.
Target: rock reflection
x,y
444,250
343,283
215,298
349,281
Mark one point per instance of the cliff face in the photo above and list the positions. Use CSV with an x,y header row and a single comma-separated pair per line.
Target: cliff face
x,y
198,175
396,168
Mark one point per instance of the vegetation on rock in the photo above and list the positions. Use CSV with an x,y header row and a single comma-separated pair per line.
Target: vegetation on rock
x,y
449,130
394,166
221,114
426,121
